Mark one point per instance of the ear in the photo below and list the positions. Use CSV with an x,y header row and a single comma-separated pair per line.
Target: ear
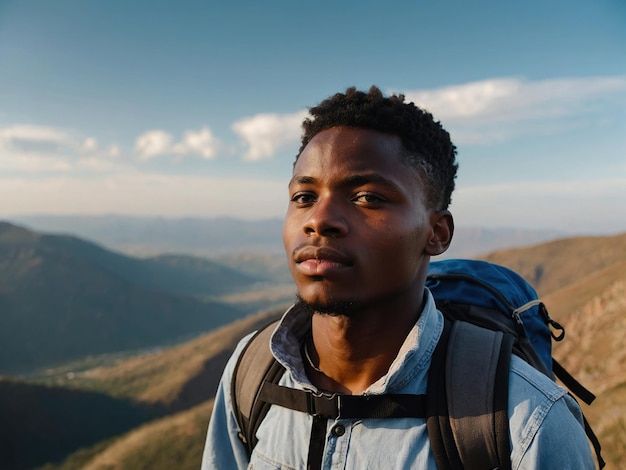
x,y
442,225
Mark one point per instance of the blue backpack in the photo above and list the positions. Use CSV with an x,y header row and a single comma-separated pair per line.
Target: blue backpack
x,y
490,313
487,308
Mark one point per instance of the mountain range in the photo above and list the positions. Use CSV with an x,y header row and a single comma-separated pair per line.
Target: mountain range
x,y
62,298
167,393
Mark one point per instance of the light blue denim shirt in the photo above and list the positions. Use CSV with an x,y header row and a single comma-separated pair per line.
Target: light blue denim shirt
x,y
545,423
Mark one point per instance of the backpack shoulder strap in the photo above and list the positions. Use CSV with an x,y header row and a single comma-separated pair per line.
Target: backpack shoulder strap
x,y
477,376
468,390
255,365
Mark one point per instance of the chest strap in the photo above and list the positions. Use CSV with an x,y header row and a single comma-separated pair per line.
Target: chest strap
x,y
334,406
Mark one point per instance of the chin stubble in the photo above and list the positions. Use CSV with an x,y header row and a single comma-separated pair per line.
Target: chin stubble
x,y
347,308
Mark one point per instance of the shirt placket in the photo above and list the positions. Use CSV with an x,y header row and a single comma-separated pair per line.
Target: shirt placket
x,y
338,436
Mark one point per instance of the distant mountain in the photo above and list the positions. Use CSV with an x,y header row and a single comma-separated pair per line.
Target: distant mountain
x,y
62,298
149,236
470,242
218,237
176,273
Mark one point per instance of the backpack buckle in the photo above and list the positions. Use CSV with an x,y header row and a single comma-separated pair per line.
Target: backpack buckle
x,y
323,405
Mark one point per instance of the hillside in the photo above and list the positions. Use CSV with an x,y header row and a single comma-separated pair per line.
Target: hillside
x,y
175,378
594,312
557,264
181,378
62,298
143,447
590,303
57,421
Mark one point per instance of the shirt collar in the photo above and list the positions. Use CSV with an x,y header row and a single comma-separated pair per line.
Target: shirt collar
x,y
413,357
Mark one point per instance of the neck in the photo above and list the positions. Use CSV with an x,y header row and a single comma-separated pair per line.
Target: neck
x,y
348,354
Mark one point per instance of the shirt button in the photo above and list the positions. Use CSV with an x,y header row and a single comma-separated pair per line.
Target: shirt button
x,y
338,430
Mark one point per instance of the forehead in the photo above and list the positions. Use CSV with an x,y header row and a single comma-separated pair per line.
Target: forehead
x,y
351,148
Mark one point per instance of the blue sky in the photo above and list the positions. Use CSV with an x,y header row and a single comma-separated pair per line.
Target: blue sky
x,y
192,108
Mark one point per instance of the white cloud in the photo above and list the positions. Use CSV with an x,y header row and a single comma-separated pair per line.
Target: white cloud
x,y
512,98
265,134
501,108
479,112
201,142
114,151
157,143
35,134
33,149
90,145
152,144
468,100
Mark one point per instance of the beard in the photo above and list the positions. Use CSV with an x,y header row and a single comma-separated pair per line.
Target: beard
x,y
345,308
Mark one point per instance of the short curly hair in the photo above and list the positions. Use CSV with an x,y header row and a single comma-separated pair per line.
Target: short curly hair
x,y
427,144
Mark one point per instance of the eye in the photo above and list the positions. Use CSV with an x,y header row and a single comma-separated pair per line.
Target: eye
x,y
303,198
368,199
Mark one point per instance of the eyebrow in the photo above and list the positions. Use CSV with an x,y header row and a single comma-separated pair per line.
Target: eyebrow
x,y
302,180
353,180
360,180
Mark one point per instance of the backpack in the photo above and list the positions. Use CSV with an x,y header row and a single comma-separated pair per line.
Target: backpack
x,y
490,313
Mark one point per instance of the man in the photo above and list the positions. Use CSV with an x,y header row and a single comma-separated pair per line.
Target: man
x,y
368,207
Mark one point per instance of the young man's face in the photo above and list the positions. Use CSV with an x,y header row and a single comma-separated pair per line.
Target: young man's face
x,y
357,229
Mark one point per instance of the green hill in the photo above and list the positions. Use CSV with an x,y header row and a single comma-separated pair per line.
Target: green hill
x,y
62,298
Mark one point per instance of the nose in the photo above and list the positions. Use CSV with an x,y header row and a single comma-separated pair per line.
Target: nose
x,y
327,218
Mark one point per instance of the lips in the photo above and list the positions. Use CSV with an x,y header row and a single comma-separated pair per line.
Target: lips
x,y
317,261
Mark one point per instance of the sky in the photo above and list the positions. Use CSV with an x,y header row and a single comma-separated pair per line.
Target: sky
x,y
193,108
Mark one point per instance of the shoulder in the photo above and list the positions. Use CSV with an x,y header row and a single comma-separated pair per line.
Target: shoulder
x,y
530,380
532,395
543,417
